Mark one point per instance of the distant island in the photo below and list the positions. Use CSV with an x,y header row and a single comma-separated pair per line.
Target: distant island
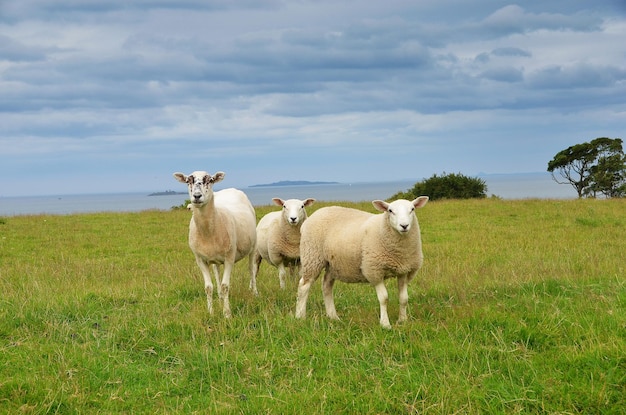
x,y
167,193
291,183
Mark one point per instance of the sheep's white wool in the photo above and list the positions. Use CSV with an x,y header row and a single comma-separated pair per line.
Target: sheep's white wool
x,y
356,246
222,231
278,236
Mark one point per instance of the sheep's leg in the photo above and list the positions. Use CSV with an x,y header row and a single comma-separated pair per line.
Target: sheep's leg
x,y
294,268
329,301
216,274
208,284
403,297
383,299
304,286
309,273
254,260
281,274
228,268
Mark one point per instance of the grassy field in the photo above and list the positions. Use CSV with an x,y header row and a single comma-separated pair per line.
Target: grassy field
x,y
519,308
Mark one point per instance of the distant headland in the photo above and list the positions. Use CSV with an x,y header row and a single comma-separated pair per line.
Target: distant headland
x,y
167,193
291,183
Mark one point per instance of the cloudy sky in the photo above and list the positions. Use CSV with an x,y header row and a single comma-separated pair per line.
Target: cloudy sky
x,y
108,95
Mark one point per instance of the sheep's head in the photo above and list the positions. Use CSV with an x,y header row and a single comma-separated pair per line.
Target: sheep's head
x,y
401,213
200,185
293,209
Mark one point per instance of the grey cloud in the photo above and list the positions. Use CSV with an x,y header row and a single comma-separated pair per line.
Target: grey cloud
x,y
514,19
581,75
12,10
503,74
13,50
510,51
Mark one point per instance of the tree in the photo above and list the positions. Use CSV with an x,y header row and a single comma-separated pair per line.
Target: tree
x,y
446,186
591,168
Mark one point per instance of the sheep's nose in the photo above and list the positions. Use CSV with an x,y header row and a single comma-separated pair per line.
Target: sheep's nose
x,y
404,227
197,197
293,220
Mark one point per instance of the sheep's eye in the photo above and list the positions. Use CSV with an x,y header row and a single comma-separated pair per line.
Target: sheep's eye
x,y
390,211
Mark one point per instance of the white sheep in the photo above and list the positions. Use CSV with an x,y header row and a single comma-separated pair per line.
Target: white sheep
x,y
278,236
356,246
222,230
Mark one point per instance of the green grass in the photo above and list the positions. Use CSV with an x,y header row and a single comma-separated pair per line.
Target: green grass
x,y
520,308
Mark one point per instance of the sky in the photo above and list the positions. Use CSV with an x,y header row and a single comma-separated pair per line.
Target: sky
x,y
106,96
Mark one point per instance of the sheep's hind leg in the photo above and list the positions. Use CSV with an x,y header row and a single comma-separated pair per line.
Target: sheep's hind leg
x,y
228,268
383,299
254,261
329,301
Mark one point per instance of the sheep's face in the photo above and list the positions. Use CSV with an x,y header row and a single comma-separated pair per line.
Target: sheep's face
x,y
293,209
200,185
401,213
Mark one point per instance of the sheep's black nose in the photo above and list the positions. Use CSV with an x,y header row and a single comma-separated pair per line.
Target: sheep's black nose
x,y
293,220
404,227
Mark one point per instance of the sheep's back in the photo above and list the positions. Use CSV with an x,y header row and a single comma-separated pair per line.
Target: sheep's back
x,y
266,223
334,234
235,204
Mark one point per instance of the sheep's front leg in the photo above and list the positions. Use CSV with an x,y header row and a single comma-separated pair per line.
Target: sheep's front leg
x,y
329,301
310,271
228,268
208,284
281,274
304,286
403,297
216,274
383,299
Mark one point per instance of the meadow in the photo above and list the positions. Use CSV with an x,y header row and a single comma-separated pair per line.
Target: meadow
x,y
520,308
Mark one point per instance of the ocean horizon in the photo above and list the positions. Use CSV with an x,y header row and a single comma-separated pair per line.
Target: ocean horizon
x,y
505,186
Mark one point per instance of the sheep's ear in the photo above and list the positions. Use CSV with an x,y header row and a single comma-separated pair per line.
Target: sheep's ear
x,y
420,201
309,202
380,205
218,177
180,177
278,201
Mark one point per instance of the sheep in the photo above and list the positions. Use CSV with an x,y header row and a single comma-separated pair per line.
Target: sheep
x,y
356,246
278,236
222,230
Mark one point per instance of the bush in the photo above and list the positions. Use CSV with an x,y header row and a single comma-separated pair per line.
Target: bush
x,y
183,206
446,186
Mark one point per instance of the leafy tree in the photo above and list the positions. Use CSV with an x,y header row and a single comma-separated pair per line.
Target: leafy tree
x,y
446,186
591,168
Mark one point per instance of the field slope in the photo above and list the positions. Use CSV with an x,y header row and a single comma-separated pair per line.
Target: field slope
x,y
519,308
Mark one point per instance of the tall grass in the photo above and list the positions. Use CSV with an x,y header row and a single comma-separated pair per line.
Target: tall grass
x,y
519,308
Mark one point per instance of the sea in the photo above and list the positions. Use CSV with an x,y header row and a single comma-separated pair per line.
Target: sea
x,y
505,186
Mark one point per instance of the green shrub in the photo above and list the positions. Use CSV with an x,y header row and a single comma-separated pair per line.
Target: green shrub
x,y
182,206
446,186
